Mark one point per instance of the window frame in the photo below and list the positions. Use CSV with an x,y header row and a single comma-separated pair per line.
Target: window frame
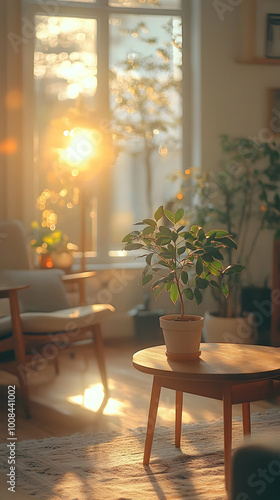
x,y
100,11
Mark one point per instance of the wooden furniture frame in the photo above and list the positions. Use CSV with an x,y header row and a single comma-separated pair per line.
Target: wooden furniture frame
x,y
19,341
231,373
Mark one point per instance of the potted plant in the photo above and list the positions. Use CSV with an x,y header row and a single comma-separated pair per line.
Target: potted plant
x,y
242,197
183,262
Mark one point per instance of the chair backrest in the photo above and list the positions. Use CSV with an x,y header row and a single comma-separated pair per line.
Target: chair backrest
x,y
46,292
13,247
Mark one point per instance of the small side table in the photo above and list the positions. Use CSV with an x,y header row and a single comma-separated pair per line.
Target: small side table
x,y
232,373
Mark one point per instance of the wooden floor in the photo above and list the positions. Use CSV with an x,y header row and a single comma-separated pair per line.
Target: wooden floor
x,y
70,401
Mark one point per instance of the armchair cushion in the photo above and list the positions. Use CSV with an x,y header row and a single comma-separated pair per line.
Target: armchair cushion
x,y
65,320
46,292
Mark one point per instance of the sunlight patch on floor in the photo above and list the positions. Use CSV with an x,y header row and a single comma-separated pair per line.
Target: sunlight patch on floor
x,y
92,400
168,414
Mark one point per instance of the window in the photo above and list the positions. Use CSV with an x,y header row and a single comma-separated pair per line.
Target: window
x,y
107,100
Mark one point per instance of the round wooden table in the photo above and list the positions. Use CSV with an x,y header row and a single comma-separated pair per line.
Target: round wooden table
x,y
232,373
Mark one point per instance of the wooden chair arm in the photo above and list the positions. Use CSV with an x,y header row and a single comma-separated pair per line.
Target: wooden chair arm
x,y
75,277
7,291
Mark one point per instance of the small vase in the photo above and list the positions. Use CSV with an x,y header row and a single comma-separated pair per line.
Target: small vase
x,y
45,261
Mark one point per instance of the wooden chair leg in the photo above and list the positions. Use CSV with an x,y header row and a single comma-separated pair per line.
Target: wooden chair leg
x,y
19,348
99,347
246,419
178,418
227,413
151,420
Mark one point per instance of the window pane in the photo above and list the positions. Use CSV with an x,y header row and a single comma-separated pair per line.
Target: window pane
x,y
152,4
65,73
145,63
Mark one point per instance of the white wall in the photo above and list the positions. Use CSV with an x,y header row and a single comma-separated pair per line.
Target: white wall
x,y
234,96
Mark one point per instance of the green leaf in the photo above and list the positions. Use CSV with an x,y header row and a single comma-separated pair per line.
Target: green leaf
x,y
188,236
169,215
162,263
215,253
146,279
145,270
181,250
194,228
158,290
199,266
201,283
201,234
147,230
180,229
147,241
207,257
163,240
214,284
149,258
225,289
219,233
133,246
228,242
184,277
168,286
165,231
235,268
198,296
149,222
174,292
217,264
179,214
212,269
189,245
158,213
158,282
128,237
188,293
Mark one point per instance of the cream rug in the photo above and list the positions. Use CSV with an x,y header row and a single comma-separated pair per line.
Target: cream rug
x,y
109,466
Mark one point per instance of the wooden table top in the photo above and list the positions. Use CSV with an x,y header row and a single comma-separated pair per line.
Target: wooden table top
x,y
218,362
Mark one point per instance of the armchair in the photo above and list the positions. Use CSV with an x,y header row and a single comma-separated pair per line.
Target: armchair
x,y
41,322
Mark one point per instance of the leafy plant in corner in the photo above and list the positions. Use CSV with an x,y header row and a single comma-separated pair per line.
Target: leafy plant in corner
x,y
242,196
182,261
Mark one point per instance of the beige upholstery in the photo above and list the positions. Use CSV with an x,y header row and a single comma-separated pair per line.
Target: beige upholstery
x,y
43,308
13,249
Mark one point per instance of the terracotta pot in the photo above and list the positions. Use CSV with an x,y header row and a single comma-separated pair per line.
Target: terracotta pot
x,y
182,338
232,330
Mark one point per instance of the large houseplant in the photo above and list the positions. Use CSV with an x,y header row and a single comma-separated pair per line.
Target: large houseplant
x,y
183,262
242,197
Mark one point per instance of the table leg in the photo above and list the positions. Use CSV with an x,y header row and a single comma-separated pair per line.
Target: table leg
x,y
151,420
178,418
246,419
227,411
